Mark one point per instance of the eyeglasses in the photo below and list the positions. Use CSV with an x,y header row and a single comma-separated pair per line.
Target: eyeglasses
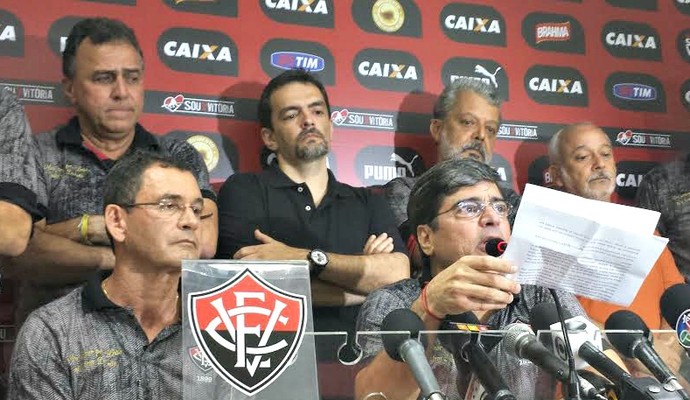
x,y
468,209
172,208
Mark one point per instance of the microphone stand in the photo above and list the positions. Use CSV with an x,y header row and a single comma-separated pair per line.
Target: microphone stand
x,y
573,378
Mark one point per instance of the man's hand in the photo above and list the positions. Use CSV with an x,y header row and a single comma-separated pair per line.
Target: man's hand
x,y
270,249
380,244
473,283
70,229
96,231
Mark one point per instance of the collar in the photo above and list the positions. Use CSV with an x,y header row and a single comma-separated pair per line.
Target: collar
x,y
276,178
70,134
92,296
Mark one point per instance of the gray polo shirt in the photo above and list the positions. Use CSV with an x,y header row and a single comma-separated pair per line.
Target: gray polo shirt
x,y
82,346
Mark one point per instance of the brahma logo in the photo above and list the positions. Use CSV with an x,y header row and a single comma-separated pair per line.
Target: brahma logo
x,y
57,34
278,55
361,119
389,17
643,139
556,85
300,12
224,8
629,176
553,32
388,70
199,51
187,105
487,71
11,35
683,42
471,23
248,329
639,92
631,40
649,5
379,164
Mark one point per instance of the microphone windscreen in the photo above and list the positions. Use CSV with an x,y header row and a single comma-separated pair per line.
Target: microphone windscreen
x,y
495,247
629,321
674,301
402,319
543,315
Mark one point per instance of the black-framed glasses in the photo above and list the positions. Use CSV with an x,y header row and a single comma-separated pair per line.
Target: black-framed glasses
x,y
468,209
172,208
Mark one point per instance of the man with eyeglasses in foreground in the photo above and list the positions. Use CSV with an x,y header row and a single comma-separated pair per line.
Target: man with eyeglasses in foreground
x,y
120,336
454,209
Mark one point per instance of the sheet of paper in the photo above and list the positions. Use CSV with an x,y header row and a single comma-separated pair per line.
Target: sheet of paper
x,y
595,249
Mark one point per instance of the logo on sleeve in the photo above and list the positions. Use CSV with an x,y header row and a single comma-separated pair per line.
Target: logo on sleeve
x,y
377,165
556,85
683,42
199,51
638,92
649,5
300,12
388,17
11,35
278,55
554,32
471,23
631,40
248,329
629,176
487,71
388,70
224,8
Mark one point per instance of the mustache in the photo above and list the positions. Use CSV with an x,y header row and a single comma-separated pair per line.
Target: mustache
x,y
600,175
476,146
310,131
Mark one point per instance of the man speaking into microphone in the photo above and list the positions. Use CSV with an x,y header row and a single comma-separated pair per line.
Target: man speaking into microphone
x,y
455,208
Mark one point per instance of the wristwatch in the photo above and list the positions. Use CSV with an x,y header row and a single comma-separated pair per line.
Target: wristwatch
x,y
318,260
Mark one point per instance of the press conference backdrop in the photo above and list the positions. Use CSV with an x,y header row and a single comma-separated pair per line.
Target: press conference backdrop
x,y
622,64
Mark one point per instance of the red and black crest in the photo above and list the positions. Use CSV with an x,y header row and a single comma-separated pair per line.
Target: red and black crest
x,y
248,329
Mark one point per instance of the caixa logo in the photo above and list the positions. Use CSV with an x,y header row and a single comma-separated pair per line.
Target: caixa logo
x,y
626,39
638,92
556,85
11,35
388,70
57,34
200,51
471,23
300,12
377,165
488,71
224,8
278,55
629,175
554,32
649,5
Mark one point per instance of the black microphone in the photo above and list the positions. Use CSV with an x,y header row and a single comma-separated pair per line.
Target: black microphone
x,y
675,302
637,345
404,348
495,247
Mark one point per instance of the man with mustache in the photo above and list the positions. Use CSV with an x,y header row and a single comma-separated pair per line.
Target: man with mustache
x,y
582,163
297,210
103,78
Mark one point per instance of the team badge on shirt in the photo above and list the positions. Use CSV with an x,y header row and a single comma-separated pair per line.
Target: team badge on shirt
x,y
249,329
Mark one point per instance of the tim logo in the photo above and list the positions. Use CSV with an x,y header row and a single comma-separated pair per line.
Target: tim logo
x,y
199,359
292,60
249,329
634,91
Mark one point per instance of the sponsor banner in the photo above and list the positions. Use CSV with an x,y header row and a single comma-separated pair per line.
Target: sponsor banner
x,y
392,70
649,5
45,93
504,169
539,173
472,23
629,175
563,86
627,39
11,35
360,119
683,44
517,131
388,17
635,138
223,8
278,55
639,92
316,13
487,71
683,6
188,104
198,51
554,32
377,165
122,2
685,94
218,151
58,32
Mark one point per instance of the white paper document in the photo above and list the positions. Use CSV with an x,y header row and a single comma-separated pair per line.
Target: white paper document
x,y
590,248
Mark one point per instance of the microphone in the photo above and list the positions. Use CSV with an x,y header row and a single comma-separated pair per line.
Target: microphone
x,y
495,247
521,342
403,348
637,345
675,307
